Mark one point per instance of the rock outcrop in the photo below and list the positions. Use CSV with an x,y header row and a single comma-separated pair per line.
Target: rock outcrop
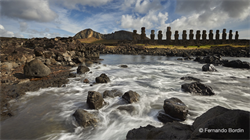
x,y
95,100
103,78
84,118
208,67
36,68
82,69
131,96
197,88
175,108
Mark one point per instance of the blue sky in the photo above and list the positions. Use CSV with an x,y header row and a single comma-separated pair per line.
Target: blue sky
x,y
51,18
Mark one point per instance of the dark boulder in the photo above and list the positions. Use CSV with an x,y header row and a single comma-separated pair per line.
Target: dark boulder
x,y
175,108
95,100
197,88
222,123
165,118
171,130
208,67
139,133
36,68
123,66
112,93
131,96
82,69
191,78
211,113
103,78
237,64
84,118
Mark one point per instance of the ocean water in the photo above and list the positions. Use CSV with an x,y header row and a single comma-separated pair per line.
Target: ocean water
x,y
47,113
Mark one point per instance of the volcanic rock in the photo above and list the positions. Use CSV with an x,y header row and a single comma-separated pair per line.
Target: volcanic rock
x,y
227,124
36,68
197,88
95,100
131,96
139,133
84,118
175,108
82,69
103,78
208,67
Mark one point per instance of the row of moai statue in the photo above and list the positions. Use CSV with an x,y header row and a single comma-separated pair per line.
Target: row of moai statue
x,y
191,35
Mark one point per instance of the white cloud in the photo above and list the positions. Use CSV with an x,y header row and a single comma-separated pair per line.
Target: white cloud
x,y
151,20
73,4
238,9
144,6
35,10
5,33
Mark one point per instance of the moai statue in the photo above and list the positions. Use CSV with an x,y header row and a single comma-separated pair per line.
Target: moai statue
x,y
160,35
191,35
169,33
184,35
224,35
211,35
204,35
230,35
198,35
134,35
176,36
143,35
217,36
152,36
236,36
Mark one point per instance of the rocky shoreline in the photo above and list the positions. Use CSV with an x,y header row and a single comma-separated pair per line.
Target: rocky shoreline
x,y
61,54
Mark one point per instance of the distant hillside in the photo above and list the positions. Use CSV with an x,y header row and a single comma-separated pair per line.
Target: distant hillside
x,y
88,33
117,35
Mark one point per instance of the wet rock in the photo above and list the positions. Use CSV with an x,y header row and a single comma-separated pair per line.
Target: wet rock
x,y
165,118
175,108
237,64
197,88
36,68
139,133
85,81
112,93
211,113
131,96
82,69
229,124
95,100
208,67
124,66
84,118
191,78
103,78
171,130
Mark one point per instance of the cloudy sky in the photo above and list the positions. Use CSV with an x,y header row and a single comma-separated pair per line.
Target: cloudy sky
x,y
51,18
